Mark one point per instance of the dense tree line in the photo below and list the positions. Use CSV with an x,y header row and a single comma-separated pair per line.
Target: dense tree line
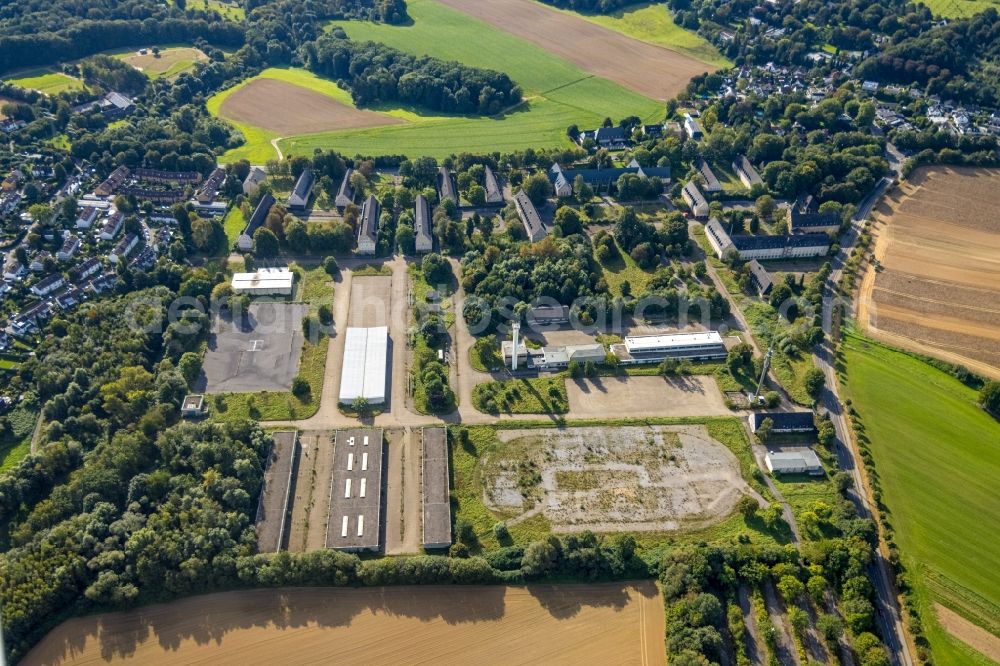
x,y
951,60
593,6
376,73
78,38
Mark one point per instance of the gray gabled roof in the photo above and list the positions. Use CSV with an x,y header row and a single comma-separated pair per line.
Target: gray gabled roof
x,y
494,194
369,219
259,214
346,190
304,185
422,219
446,185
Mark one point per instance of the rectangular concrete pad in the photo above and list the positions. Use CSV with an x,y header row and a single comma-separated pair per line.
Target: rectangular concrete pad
x,y
369,506
261,353
371,301
437,507
272,509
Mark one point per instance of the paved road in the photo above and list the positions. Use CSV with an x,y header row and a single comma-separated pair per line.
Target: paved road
x,y
887,606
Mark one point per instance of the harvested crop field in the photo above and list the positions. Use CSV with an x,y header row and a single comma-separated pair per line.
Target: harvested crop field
x,y
645,68
287,109
551,624
938,289
613,479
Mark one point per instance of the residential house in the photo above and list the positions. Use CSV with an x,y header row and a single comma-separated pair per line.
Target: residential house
x,y
345,194
13,181
760,278
610,138
37,263
299,198
123,248
446,186
652,131
13,270
163,176
799,222
113,182
69,298
245,241
86,217
600,180
112,225
692,128
88,268
787,246
533,225
711,182
211,186
746,173
494,193
71,245
253,180
368,226
695,200
422,225
48,284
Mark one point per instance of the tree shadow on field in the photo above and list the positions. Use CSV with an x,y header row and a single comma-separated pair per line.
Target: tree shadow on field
x,y
207,619
566,601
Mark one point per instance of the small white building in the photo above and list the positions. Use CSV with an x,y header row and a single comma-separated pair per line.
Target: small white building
x,y
299,198
795,461
422,225
364,368
86,217
368,227
47,285
695,199
264,282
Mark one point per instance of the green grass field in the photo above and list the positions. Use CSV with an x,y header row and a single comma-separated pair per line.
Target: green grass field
x,y
48,82
937,456
15,446
653,23
557,95
959,8
230,12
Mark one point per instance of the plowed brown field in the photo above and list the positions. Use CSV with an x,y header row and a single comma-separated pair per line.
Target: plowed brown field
x,y
647,69
287,109
538,624
938,292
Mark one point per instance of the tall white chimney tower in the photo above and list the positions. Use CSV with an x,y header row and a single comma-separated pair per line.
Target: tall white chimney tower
x,y
516,331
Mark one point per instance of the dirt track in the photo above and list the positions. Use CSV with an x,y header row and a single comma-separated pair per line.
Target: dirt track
x,y
649,70
968,633
939,288
287,109
553,624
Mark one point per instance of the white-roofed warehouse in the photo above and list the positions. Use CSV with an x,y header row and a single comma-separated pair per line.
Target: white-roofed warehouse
x,y
265,282
363,373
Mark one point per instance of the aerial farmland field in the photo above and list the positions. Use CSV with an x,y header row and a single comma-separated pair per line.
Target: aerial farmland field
x,y
46,81
558,93
553,624
937,459
168,63
937,290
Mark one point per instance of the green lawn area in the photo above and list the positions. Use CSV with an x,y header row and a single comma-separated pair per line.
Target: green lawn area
x,y
615,273
468,491
790,370
233,223
485,354
539,395
231,12
959,8
315,288
938,460
654,23
18,444
557,94
46,81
